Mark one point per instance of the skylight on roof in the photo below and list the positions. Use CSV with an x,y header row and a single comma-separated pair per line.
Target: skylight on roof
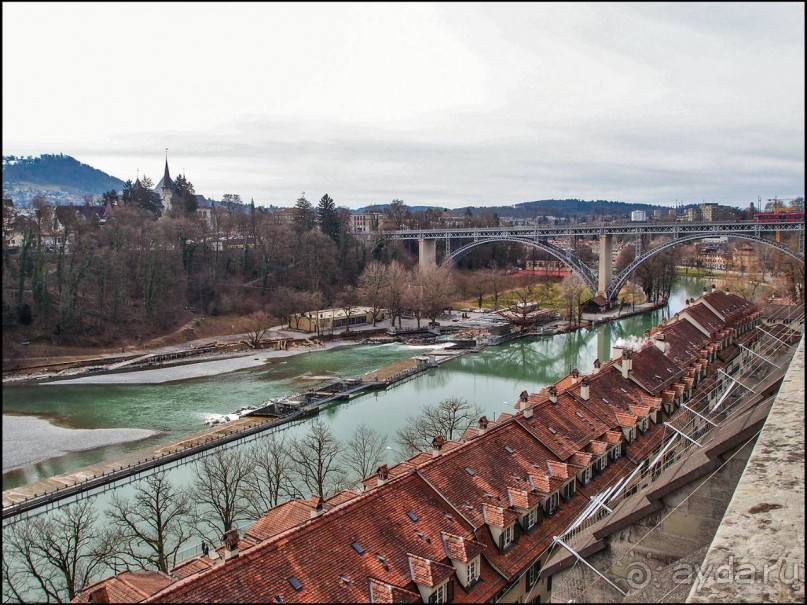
x,y
606,401
412,516
657,376
345,579
623,390
470,471
357,547
551,430
578,414
449,516
509,449
295,584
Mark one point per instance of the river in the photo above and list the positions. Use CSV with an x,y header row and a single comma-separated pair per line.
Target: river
x,y
492,378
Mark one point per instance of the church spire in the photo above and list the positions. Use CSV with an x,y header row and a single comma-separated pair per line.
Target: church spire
x,y
167,182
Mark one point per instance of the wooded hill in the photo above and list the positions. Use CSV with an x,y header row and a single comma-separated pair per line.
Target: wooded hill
x,y
56,172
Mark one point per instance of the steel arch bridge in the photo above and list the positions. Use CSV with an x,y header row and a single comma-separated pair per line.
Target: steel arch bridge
x,y
565,256
539,237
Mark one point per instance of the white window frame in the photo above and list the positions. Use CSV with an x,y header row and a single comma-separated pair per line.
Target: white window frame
x,y
587,474
569,485
616,452
440,594
532,518
473,570
551,503
507,536
601,463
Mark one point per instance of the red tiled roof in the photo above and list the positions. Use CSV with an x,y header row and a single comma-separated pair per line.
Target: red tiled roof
x,y
191,567
625,419
558,469
729,306
703,316
581,458
427,572
654,371
382,592
279,519
498,516
459,548
127,587
598,447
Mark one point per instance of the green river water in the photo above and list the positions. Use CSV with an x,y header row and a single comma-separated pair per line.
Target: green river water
x,y
492,378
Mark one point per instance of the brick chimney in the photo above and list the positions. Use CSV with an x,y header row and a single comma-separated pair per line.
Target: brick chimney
x,y
714,287
597,366
231,544
316,507
382,474
483,425
627,362
617,351
437,446
584,388
553,394
575,376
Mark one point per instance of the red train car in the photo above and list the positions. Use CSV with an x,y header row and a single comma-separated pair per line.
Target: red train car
x,y
775,217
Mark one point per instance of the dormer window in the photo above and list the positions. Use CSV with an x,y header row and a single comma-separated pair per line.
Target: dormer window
x,y
586,475
531,518
616,452
643,424
473,570
440,594
632,435
601,463
506,537
551,504
568,490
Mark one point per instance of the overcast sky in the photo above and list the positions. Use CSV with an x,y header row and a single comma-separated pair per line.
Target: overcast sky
x,y
444,104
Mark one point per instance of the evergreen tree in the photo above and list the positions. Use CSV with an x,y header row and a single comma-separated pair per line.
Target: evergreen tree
x,y
183,195
305,217
328,218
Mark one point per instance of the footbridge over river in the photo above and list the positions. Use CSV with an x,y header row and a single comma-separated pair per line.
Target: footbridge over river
x,y
600,279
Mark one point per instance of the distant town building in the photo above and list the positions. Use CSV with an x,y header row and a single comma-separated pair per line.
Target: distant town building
x,y
638,216
326,320
365,222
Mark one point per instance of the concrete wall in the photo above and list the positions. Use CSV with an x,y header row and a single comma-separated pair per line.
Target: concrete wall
x,y
757,554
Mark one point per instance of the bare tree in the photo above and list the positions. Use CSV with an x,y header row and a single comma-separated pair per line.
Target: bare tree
x,y
271,482
397,213
372,288
397,278
152,525
495,280
365,451
259,324
449,419
52,556
480,285
219,489
439,290
571,292
315,458
348,301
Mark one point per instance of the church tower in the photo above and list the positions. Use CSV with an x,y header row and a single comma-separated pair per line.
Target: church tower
x,y
164,188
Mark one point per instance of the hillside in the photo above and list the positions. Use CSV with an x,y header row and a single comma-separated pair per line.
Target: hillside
x,y
570,207
23,176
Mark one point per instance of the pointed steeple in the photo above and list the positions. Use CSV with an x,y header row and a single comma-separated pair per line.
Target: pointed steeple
x,y
166,182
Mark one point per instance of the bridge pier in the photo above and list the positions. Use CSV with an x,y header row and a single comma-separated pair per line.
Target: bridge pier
x,y
427,252
605,262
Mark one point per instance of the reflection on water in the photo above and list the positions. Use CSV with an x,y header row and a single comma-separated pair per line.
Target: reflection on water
x,y
492,379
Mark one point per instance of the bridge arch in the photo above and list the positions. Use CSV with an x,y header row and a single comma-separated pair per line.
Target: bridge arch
x,y
619,280
568,259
